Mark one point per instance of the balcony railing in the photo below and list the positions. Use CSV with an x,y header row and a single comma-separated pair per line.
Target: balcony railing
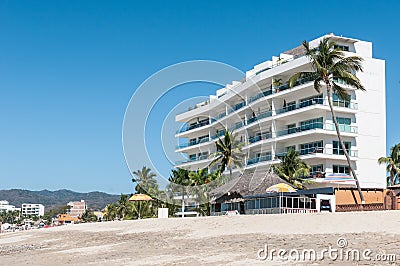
x,y
193,159
192,143
263,158
260,137
326,126
320,150
193,126
219,134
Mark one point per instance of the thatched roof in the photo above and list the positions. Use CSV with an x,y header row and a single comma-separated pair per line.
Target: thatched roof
x,y
249,183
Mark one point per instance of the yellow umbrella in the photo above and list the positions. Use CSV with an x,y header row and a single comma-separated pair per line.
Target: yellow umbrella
x,y
139,198
281,187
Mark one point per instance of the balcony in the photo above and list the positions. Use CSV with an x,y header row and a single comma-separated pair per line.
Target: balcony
x,y
192,143
326,126
193,126
259,117
260,137
321,150
193,159
263,158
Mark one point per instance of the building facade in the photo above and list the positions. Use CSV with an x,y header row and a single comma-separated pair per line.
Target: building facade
x,y
77,208
32,209
270,118
5,206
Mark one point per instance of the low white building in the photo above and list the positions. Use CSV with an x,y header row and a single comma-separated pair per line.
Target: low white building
x,y
5,206
32,209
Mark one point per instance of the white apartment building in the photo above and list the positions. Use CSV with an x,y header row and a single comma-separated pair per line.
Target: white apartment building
x,y
270,118
5,206
32,209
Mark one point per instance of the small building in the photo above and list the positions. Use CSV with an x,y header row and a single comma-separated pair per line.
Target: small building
x,y
77,208
32,209
65,218
247,194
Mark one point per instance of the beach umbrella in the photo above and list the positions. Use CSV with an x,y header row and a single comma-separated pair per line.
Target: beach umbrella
x,y
281,187
139,198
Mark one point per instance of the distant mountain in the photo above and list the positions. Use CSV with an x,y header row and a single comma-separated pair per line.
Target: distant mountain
x,y
51,199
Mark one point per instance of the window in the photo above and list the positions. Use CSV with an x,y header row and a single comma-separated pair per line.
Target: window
x,y
337,148
291,128
312,124
344,124
317,99
291,106
315,169
192,157
312,147
341,47
290,148
339,102
341,169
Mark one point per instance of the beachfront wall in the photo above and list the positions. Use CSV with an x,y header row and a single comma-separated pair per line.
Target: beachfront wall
x,y
348,199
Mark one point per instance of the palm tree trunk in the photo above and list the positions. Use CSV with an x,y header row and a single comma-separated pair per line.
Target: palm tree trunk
x,y
328,87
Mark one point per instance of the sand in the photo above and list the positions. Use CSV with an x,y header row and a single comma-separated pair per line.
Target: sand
x,y
232,240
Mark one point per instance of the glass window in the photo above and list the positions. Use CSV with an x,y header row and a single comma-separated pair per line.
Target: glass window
x,y
341,169
337,148
344,124
315,169
312,147
291,128
317,99
312,124
290,148
336,101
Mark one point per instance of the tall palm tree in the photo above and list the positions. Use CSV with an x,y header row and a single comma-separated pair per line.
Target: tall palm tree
x,y
146,182
292,169
229,152
393,165
181,177
329,65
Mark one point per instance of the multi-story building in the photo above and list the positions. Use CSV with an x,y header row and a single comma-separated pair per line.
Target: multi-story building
x,y
270,117
32,209
77,208
5,206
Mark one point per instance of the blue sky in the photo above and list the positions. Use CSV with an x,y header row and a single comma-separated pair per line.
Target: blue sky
x,y
69,68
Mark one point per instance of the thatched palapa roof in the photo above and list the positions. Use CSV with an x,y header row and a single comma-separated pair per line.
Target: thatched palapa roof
x,y
249,183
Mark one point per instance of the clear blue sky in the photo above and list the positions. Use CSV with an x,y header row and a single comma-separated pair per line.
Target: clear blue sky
x,y
69,68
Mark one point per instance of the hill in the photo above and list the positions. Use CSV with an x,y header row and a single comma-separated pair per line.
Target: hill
x,y
51,199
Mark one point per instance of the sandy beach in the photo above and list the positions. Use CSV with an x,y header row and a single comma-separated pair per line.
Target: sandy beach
x,y
233,240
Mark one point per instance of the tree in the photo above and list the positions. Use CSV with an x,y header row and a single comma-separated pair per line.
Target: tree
x,y
392,165
181,177
229,152
146,183
329,65
88,216
123,206
292,169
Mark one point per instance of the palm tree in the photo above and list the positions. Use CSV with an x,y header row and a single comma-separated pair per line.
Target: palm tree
x,y
181,177
329,65
393,165
146,183
292,169
229,152
123,206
